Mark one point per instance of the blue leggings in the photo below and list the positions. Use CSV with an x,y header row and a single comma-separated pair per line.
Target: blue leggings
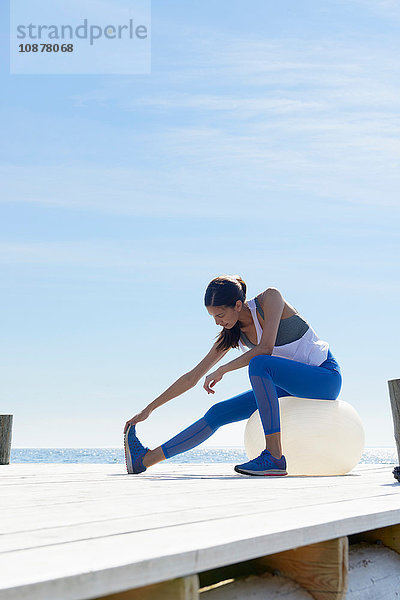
x,y
271,377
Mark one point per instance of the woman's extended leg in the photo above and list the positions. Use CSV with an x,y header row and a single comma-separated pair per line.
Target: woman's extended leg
x,y
228,411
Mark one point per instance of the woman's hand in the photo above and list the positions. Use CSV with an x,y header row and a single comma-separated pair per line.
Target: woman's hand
x,y
211,380
142,416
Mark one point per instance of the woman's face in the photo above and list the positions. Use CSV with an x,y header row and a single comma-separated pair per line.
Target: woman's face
x,y
226,316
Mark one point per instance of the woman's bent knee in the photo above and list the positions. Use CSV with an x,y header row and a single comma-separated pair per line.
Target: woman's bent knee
x,y
214,415
333,387
338,386
258,364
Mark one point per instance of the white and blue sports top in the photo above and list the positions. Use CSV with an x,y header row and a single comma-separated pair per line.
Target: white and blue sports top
x,y
295,339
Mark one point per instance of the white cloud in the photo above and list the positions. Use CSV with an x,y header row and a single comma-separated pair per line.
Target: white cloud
x,y
316,118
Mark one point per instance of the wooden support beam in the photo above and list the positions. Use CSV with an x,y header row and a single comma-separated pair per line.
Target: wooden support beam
x,y
321,569
388,536
5,438
394,393
183,588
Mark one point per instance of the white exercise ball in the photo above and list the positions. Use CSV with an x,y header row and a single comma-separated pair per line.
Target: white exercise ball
x,y
319,437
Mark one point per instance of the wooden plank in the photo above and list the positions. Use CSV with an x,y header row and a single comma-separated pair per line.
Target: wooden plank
x,y
132,560
103,558
146,491
44,530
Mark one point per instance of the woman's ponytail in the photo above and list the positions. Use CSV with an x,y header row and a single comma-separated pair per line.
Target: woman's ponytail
x,y
242,284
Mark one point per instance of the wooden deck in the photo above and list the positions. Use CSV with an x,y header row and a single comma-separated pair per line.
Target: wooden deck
x,y
74,532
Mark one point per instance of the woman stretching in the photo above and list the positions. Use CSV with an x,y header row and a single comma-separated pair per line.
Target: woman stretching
x,y
284,355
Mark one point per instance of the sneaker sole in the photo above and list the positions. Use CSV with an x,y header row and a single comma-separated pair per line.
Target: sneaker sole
x,y
271,472
128,457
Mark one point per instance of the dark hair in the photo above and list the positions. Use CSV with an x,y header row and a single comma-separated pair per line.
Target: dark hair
x,y
226,290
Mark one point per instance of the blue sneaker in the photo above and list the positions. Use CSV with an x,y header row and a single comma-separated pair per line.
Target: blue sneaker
x,y
265,464
134,451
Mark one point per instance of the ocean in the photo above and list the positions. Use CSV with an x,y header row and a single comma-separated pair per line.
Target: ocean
x,y
220,454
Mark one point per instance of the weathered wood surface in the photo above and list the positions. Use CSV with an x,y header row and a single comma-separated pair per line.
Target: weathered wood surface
x,y
5,438
394,393
74,532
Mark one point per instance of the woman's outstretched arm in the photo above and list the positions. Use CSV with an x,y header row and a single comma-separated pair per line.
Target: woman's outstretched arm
x,y
189,379
181,385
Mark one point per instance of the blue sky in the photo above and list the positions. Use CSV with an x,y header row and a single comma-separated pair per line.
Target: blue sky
x,y
265,142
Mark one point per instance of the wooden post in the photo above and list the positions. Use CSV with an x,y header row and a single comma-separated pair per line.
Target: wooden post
x,y
321,568
394,393
5,438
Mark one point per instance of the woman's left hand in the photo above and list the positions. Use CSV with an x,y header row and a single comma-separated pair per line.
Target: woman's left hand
x,y
211,380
